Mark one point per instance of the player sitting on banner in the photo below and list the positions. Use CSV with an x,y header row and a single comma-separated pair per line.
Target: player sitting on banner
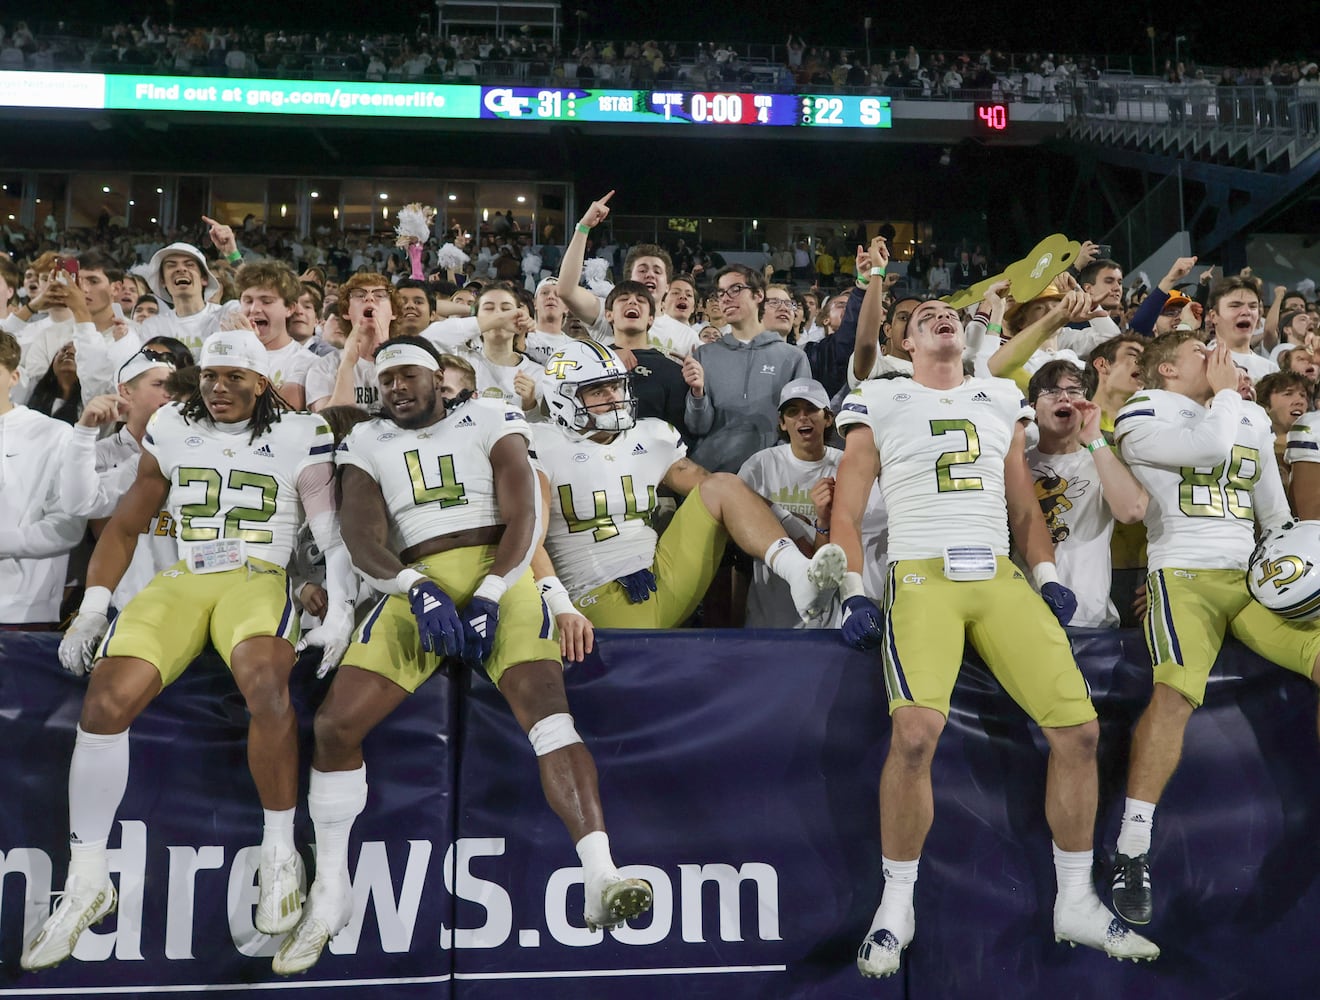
x,y
949,452
1206,457
236,470
456,486
602,467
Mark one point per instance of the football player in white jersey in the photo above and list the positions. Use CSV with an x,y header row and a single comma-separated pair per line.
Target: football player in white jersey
x,y
1206,457
949,453
236,471
600,468
456,488
96,473
1303,458
1082,487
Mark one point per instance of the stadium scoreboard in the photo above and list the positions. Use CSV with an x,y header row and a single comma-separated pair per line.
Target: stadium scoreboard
x,y
123,92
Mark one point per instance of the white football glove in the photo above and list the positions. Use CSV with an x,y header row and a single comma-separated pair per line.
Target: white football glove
x,y
333,636
78,647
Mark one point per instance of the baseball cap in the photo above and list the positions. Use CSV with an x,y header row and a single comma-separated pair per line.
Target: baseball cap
x,y
806,388
1177,300
158,258
234,349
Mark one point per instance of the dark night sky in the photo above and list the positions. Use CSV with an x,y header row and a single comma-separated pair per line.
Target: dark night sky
x,y
1284,29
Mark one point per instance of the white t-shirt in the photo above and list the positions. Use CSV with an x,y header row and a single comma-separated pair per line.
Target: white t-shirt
x,y
192,330
324,371
1210,473
288,365
1081,524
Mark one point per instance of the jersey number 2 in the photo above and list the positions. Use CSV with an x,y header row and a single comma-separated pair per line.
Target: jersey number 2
x,y
236,516
945,480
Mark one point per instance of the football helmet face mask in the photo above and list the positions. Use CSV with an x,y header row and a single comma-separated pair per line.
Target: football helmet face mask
x,y
1284,571
579,366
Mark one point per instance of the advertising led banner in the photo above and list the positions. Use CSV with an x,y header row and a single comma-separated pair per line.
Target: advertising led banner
x,y
235,95
738,773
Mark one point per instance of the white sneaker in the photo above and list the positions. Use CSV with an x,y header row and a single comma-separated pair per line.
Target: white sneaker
x,y
282,894
329,906
882,950
1086,922
824,574
82,905
614,899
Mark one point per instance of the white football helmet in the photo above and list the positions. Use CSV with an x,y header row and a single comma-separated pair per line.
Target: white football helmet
x,y
1284,572
579,365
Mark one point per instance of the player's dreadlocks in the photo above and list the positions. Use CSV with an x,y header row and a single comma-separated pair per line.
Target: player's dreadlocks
x,y
270,406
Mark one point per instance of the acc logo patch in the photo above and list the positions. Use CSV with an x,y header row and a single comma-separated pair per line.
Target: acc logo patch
x,y
388,435
193,442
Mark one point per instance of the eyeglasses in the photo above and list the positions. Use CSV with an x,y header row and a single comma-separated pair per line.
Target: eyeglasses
x,y
1071,392
732,292
378,295
780,304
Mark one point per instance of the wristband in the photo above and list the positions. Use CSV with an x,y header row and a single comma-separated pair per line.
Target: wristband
x,y
1043,573
995,328
851,586
820,530
492,588
877,272
96,601
1096,445
584,230
863,282
555,596
234,257
407,579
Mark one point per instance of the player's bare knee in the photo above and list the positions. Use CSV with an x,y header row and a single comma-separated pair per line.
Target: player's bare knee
x,y
1075,743
335,735
914,738
1170,705
266,693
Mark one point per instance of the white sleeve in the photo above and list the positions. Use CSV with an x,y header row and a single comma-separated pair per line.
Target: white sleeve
x,y
316,491
1268,498
453,333
81,490
1086,339
1143,438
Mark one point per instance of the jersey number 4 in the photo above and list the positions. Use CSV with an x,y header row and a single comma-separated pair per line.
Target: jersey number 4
x,y
1234,493
601,524
945,480
239,481
449,492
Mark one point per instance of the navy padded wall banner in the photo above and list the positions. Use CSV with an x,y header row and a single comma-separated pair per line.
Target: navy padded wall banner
x,y
738,772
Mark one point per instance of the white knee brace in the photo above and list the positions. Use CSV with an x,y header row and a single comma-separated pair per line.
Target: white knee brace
x,y
552,733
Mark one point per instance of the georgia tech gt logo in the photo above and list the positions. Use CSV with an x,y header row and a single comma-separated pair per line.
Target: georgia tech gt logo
x,y
1281,571
559,366
914,578
501,101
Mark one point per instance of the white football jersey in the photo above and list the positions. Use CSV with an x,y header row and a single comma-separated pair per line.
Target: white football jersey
x,y
601,499
436,479
223,485
942,454
1210,472
1304,439
1081,525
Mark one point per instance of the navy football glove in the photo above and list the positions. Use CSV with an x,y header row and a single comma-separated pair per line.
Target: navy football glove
x,y
1061,600
480,619
438,623
638,586
863,625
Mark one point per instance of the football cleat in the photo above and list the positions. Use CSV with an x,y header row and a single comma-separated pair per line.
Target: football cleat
x,y
82,905
1131,888
280,904
614,899
881,952
1086,922
328,909
826,571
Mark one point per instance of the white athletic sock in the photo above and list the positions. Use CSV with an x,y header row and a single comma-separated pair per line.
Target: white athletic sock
x,y
1072,871
594,852
1138,821
98,777
895,911
277,835
334,800
785,561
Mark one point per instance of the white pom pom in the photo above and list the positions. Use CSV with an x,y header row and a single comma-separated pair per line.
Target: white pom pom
x,y
414,224
532,265
593,271
450,258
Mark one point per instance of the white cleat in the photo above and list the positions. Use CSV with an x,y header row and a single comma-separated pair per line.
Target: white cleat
x,y
824,574
881,952
1087,922
282,891
613,900
82,905
326,914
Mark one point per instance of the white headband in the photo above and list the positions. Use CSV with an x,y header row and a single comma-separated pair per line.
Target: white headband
x,y
398,355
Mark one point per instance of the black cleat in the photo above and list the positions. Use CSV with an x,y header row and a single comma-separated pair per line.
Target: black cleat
x,y
1131,888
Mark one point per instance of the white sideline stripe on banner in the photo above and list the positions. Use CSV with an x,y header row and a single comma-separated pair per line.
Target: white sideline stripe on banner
x,y
598,973
213,987
403,981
